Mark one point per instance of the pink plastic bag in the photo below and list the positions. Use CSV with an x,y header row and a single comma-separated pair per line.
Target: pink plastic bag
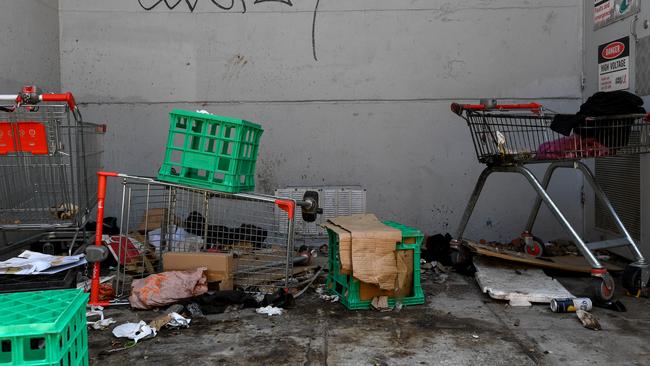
x,y
571,147
167,288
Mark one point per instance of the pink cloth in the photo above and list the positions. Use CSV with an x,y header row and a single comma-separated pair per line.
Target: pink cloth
x,y
167,288
571,147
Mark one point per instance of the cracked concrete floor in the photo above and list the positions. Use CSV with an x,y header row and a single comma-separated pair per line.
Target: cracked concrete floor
x,y
458,326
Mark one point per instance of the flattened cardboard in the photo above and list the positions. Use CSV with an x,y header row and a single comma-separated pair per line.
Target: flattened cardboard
x,y
405,280
345,247
373,249
154,219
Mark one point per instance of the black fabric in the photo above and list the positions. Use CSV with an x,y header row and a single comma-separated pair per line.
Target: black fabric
x,y
218,301
437,248
607,132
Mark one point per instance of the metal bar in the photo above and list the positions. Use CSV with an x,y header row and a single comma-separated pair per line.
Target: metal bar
x,y
612,243
472,201
538,199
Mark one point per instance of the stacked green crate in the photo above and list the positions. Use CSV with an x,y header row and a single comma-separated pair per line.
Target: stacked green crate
x,y
44,328
209,151
348,288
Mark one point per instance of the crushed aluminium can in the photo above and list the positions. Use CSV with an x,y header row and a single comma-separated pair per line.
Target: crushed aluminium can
x,y
571,305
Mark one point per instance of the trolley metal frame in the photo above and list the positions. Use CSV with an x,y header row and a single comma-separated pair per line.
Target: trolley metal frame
x,y
507,137
48,159
166,217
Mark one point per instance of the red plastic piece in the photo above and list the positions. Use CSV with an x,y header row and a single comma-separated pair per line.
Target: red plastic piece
x,y
63,97
287,206
6,138
598,271
458,108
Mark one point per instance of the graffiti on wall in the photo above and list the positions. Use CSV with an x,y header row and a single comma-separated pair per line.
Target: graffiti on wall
x,y
229,5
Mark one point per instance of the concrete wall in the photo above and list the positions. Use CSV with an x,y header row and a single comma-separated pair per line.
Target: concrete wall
x,y
367,102
29,45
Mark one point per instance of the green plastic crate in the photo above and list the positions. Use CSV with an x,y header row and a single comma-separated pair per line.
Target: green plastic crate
x,y
347,287
209,151
44,328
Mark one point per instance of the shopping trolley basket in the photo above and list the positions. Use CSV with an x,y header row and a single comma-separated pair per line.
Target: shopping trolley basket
x,y
159,217
48,159
508,137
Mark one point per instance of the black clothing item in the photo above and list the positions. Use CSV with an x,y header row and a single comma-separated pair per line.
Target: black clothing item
x,y
611,133
437,248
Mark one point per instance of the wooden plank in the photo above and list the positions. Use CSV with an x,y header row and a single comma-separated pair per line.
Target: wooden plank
x,y
565,263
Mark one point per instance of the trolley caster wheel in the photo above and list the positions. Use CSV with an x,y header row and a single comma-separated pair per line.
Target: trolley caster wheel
x,y
602,287
534,249
461,258
635,279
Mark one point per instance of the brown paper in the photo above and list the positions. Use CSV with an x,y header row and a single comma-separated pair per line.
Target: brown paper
x,y
154,219
368,291
345,247
373,249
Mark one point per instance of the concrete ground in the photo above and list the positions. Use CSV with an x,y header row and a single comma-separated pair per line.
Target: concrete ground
x,y
458,325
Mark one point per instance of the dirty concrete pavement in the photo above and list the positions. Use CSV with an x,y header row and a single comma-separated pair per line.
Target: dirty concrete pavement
x,y
458,326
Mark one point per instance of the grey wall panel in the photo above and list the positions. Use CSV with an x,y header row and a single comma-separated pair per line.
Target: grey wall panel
x,y
29,45
373,110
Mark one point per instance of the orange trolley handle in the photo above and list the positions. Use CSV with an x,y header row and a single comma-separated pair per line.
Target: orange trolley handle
x,y
459,108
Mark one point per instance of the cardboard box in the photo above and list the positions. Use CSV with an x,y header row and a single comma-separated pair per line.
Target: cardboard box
x,y
220,265
154,219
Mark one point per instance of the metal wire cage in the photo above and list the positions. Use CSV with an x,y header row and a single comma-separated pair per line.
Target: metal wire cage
x,y
48,160
158,217
523,135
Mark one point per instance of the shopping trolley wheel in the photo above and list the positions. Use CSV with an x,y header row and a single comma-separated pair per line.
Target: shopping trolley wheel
x,y
461,257
602,286
535,248
635,279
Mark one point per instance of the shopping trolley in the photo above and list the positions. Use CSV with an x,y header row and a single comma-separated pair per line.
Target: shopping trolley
x,y
158,217
507,137
48,159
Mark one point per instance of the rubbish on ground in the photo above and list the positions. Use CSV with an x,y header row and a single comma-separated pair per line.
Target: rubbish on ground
x,y
381,303
175,308
134,331
437,248
588,320
566,263
195,310
568,305
172,320
269,310
102,322
611,305
34,263
219,265
86,284
475,336
500,281
218,302
516,323
330,298
167,288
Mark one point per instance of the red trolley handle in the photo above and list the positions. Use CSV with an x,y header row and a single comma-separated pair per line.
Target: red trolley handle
x,y
62,97
459,108
32,95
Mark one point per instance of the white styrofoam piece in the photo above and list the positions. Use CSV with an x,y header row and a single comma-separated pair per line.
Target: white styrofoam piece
x,y
528,286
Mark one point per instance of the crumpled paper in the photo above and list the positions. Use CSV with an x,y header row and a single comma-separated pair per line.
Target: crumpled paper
x,y
269,310
135,331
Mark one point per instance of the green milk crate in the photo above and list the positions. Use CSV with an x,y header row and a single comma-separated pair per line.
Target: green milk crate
x,y
348,288
44,328
209,151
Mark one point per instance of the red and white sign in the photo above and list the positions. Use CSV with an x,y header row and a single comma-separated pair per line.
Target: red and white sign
x,y
614,65
602,10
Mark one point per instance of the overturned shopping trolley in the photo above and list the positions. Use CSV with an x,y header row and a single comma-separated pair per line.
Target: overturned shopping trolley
x,y
509,137
156,217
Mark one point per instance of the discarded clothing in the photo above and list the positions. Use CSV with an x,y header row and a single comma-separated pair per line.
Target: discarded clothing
x,y
610,133
437,248
572,147
219,301
167,288
195,224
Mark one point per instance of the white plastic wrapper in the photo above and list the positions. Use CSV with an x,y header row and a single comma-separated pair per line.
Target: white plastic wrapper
x,y
269,310
135,331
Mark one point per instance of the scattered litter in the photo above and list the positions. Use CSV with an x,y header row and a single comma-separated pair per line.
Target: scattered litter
x,y
516,324
474,336
176,308
134,331
259,297
380,303
86,284
570,305
172,320
269,310
588,320
330,298
398,306
195,310
102,323
202,111
500,281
